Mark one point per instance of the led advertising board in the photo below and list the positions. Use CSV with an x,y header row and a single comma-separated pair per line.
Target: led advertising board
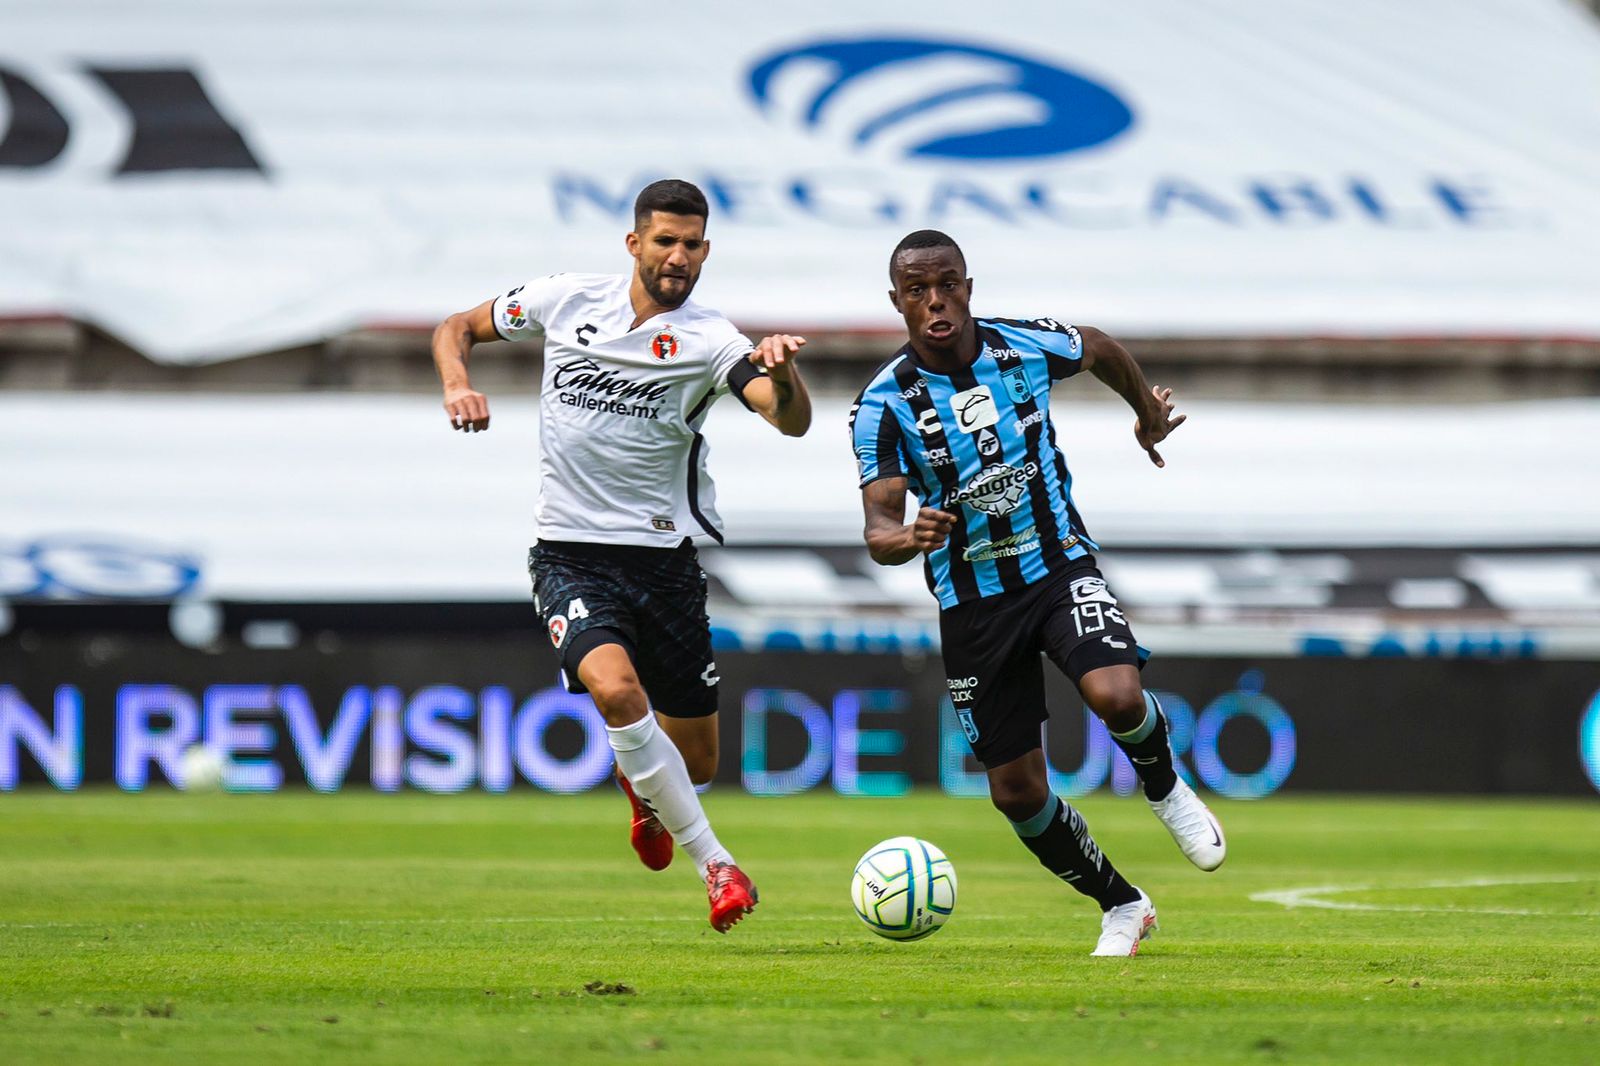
x,y
444,714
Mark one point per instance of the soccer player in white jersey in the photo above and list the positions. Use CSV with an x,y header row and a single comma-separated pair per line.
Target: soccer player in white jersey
x,y
631,367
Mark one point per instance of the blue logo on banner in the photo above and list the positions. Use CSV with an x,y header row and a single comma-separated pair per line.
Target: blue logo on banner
x,y
1027,109
94,568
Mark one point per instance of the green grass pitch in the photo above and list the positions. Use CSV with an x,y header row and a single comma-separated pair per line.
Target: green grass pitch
x,y
303,929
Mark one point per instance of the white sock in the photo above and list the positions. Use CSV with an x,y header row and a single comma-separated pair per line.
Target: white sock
x,y
654,767
705,849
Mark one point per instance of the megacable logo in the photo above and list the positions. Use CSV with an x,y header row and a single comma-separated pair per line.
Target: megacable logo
x,y
938,100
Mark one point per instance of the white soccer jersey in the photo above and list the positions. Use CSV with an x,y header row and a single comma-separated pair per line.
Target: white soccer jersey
x,y
621,457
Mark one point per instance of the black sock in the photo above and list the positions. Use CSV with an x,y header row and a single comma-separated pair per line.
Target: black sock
x,y
1151,756
1060,838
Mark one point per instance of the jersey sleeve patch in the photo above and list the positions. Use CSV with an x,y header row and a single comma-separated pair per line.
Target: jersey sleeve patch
x,y
521,313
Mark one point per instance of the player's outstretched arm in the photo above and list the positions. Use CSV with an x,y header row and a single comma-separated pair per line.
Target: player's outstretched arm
x,y
1111,363
890,541
452,344
779,395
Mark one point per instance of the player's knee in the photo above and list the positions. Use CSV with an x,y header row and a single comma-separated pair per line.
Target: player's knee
x,y
620,699
1120,706
1019,799
702,766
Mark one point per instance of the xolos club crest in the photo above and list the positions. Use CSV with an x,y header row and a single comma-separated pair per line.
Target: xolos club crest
x,y
664,346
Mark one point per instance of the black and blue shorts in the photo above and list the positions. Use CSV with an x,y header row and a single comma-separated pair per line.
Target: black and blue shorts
x,y
651,601
992,650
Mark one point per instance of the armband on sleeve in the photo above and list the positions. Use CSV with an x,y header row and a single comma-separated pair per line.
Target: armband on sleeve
x,y
741,374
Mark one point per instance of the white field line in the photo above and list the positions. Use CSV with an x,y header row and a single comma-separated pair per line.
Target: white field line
x,y
1313,896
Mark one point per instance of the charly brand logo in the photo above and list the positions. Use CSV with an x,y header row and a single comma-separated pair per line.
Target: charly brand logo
x,y
938,100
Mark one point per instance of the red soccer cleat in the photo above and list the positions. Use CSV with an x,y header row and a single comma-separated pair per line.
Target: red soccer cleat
x,y
648,836
732,895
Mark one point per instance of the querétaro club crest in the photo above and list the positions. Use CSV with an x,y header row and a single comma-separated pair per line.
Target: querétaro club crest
x,y
664,346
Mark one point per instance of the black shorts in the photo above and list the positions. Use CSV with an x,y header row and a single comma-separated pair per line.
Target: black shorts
x,y
651,601
992,647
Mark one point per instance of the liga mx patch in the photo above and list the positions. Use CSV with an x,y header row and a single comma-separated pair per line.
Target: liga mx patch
x,y
513,315
664,346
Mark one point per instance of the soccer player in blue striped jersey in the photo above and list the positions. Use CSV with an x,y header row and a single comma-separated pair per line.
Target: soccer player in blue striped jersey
x,y
960,418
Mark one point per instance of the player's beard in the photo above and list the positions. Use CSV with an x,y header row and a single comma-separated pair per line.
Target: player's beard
x,y
652,285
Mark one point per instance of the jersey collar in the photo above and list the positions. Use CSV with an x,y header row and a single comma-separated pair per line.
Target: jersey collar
x,y
910,353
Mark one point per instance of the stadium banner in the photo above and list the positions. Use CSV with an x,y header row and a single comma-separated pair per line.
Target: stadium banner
x,y
485,713
207,181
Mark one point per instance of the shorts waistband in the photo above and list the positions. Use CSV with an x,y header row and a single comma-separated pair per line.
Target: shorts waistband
x,y
617,552
1063,572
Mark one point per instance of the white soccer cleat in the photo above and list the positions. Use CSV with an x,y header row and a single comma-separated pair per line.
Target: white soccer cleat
x,y
1193,826
1121,928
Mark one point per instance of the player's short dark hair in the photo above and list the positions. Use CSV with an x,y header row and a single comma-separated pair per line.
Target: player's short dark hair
x,y
924,238
671,196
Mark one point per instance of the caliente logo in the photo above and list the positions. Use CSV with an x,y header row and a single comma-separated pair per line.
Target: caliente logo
x,y
938,100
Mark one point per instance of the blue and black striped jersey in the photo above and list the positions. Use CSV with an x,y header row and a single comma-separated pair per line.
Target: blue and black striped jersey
x,y
979,443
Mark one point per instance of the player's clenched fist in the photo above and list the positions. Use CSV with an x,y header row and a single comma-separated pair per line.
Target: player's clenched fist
x,y
468,409
931,529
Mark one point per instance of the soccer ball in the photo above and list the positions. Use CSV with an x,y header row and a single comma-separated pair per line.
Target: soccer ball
x,y
200,769
904,888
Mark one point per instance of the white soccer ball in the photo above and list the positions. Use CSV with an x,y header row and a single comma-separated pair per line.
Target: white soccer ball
x,y
904,888
200,769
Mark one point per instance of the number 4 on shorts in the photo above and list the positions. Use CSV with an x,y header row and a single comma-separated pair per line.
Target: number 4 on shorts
x,y
576,609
